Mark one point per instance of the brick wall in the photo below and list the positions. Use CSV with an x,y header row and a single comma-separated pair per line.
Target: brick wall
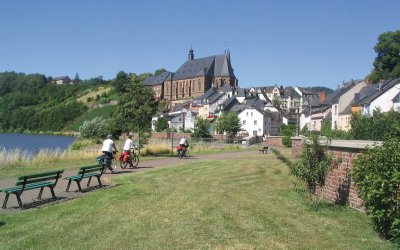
x,y
274,140
297,146
338,186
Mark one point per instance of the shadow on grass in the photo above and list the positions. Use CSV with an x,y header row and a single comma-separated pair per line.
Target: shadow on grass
x,y
2,223
315,203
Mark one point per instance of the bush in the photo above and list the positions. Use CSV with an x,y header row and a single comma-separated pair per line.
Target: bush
x,y
313,165
96,128
377,174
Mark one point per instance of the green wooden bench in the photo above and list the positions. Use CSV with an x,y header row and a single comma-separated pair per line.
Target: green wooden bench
x,y
33,181
86,172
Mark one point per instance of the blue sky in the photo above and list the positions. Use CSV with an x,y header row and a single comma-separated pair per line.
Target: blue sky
x,y
289,43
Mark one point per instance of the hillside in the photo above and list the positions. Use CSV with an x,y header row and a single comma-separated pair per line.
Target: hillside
x,y
32,103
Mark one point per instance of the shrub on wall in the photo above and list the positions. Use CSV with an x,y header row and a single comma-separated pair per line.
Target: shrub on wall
x,y
377,174
313,165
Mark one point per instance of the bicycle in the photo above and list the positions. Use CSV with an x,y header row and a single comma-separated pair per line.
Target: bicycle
x,y
132,160
182,153
102,161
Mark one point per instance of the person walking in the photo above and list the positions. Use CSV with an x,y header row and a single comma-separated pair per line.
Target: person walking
x,y
107,149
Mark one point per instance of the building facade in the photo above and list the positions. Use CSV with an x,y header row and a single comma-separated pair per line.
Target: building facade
x,y
196,76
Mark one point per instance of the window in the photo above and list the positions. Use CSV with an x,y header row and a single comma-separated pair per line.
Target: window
x,y
247,113
335,109
255,122
199,85
244,122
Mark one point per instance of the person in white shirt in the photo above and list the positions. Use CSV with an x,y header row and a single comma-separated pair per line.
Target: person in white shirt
x,y
128,145
107,149
183,142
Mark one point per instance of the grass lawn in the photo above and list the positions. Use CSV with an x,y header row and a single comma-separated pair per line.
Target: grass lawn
x,y
243,202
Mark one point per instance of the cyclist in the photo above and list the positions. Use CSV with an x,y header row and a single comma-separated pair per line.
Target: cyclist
x,y
128,145
184,144
107,149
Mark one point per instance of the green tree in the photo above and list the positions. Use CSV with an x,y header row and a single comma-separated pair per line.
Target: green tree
x,y
77,80
229,123
96,128
159,71
277,102
161,124
387,61
287,131
378,126
135,109
377,175
121,82
201,128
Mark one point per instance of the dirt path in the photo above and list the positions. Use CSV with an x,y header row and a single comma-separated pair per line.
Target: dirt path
x,y
29,198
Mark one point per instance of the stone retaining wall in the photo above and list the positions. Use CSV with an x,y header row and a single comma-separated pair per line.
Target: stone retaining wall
x,y
274,140
339,186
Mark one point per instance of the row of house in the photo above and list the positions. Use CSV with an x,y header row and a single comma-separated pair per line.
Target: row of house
x,y
352,96
253,106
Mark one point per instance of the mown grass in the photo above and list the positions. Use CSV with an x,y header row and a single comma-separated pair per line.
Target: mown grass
x,y
239,203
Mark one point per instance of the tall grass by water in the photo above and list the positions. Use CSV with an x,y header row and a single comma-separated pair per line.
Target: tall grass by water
x,y
17,161
84,152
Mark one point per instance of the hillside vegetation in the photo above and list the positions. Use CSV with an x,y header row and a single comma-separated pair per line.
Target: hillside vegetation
x,y
31,103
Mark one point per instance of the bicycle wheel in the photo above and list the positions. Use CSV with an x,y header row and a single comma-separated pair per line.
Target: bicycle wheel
x,y
135,161
114,163
124,164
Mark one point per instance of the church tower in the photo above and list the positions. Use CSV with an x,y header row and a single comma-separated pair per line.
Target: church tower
x,y
190,55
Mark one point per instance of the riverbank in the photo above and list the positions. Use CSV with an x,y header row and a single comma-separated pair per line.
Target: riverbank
x,y
29,132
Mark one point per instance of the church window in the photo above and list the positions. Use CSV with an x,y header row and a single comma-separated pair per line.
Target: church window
x,y
199,85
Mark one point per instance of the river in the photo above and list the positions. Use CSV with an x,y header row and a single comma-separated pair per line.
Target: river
x,y
33,143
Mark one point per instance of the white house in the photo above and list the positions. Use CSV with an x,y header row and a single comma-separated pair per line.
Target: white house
x,y
382,96
255,121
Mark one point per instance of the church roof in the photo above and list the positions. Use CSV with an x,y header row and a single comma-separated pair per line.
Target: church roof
x,y
157,79
214,66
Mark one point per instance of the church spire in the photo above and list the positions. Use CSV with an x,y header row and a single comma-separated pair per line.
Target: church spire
x,y
191,55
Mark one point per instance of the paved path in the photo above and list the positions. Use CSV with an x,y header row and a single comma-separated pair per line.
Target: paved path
x,y
29,198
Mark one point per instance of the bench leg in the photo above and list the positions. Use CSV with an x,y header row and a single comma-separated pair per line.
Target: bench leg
x,y
79,186
98,178
90,178
5,200
19,200
69,184
40,193
52,192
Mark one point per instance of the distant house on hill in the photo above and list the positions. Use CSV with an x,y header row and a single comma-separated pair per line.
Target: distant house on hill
x,y
62,80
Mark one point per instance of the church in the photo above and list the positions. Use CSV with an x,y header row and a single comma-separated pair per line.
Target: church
x,y
193,78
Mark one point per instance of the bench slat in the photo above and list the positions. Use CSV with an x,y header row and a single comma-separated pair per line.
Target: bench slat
x,y
32,176
29,181
78,177
27,187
